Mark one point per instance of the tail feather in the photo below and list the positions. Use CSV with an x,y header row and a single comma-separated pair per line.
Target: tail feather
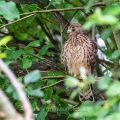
x,y
86,94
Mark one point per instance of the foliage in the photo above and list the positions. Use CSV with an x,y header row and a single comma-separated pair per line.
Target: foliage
x,y
9,10
36,39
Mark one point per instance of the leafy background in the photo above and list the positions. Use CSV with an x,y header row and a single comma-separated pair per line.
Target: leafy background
x,y
31,42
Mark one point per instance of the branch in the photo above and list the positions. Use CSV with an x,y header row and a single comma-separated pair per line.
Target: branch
x,y
43,11
59,18
53,10
46,2
62,10
16,21
108,63
7,111
49,77
45,30
23,1
70,102
26,105
51,85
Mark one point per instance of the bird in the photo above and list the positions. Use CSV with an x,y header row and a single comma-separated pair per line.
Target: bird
x,y
79,52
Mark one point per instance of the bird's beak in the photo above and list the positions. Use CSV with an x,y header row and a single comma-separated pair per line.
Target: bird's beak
x,y
69,30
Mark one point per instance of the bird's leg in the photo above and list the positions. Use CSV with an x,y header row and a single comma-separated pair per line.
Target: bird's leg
x,y
93,99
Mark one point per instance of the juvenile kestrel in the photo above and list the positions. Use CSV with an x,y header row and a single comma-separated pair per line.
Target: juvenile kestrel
x,y
79,52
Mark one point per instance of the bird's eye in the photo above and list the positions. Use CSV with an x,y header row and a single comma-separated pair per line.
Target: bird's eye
x,y
73,29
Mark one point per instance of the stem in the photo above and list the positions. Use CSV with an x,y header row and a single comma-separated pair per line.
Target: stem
x,y
51,85
18,87
48,77
16,21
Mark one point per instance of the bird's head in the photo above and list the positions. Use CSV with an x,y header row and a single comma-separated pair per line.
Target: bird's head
x,y
76,27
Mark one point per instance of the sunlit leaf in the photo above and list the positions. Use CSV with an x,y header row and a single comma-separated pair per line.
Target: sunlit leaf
x,y
71,82
113,9
32,77
2,55
99,18
104,83
35,93
34,44
114,89
9,10
87,109
5,40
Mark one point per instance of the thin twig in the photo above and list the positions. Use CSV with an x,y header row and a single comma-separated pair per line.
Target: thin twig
x,y
48,77
53,10
69,21
29,14
62,10
18,87
16,21
34,55
109,63
70,101
51,85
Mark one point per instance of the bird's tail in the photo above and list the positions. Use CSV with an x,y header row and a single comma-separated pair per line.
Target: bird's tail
x,y
86,94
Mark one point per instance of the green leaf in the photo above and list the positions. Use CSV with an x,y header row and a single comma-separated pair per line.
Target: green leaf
x,y
14,54
88,109
114,55
71,82
21,36
48,93
88,25
104,83
113,9
35,93
26,62
98,18
34,105
28,7
44,49
9,10
113,116
105,33
114,89
28,51
56,2
34,44
10,89
74,93
5,40
2,55
32,77
42,114
55,73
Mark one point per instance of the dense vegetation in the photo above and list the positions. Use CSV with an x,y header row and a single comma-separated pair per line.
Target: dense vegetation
x,y
32,34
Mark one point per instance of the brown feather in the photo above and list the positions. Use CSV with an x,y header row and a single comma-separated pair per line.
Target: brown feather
x,y
78,51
